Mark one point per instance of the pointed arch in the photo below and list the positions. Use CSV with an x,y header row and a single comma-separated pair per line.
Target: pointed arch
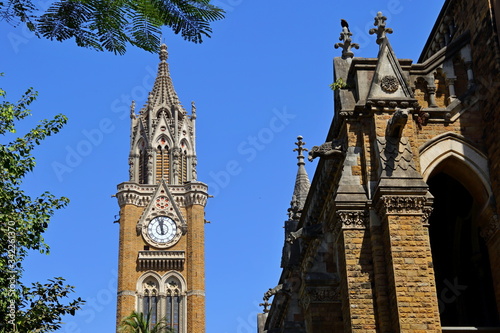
x,y
165,111
148,295
142,169
175,301
461,160
184,167
458,178
162,158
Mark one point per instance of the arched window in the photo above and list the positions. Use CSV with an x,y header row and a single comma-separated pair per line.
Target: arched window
x,y
183,167
143,163
162,160
460,256
150,299
163,299
174,305
183,163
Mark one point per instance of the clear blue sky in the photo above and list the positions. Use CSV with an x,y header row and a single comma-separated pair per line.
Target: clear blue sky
x,y
262,80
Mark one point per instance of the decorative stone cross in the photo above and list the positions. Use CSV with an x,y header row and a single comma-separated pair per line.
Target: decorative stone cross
x,y
346,45
381,30
300,149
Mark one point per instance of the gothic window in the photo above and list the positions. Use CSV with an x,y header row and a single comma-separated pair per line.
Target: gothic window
x,y
150,299
460,257
183,167
162,160
183,163
143,163
174,305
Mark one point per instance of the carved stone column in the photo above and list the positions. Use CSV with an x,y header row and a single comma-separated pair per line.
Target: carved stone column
x,y
356,270
410,276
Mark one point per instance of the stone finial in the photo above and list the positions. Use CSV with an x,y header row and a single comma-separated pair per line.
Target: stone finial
x,y
346,44
193,110
300,148
266,305
381,30
163,52
132,110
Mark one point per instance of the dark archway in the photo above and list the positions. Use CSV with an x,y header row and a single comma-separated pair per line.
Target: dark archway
x,y
460,257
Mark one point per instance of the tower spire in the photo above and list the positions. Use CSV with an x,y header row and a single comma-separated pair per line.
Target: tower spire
x,y
302,183
163,93
163,135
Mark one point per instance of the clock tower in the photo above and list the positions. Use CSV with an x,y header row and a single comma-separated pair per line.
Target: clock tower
x,y
161,266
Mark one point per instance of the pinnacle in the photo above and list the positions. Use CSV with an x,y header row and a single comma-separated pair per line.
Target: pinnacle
x,y
163,52
302,183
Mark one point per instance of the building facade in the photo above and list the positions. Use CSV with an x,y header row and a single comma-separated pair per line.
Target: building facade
x,y
399,229
161,266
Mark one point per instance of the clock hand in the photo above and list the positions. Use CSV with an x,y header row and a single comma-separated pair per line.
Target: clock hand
x,y
161,227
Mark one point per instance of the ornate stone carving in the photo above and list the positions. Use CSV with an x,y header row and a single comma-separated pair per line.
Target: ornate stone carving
x,y
161,260
270,293
396,123
131,169
134,194
328,150
320,295
346,44
381,30
352,219
195,199
150,153
194,163
402,204
389,84
162,202
427,213
309,231
491,228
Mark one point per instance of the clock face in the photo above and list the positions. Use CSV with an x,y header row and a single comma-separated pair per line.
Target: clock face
x,y
162,230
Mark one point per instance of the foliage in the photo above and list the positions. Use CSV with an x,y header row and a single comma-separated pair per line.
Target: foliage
x,y
23,220
338,84
137,322
111,24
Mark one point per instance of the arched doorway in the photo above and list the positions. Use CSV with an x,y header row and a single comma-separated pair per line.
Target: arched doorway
x,y
460,256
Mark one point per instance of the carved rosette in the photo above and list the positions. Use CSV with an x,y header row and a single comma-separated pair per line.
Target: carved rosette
x,y
491,228
389,84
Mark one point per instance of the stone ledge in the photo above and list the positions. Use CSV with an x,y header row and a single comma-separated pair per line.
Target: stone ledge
x,y
161,260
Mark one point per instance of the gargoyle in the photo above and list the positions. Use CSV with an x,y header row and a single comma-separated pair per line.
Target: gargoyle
x,y
273,291
310,231
328,150
396,124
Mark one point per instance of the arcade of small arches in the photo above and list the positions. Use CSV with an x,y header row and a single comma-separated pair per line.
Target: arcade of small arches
x,y
174,165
